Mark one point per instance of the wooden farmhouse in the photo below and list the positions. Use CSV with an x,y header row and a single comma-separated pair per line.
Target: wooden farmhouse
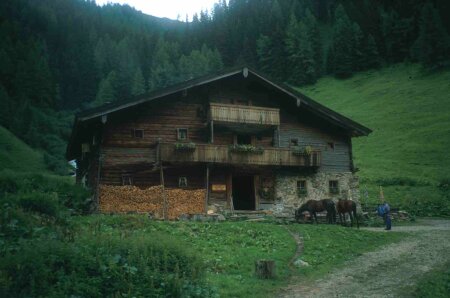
x,y
248,142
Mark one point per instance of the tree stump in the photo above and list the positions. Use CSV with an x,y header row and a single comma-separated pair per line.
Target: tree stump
x,y
265,269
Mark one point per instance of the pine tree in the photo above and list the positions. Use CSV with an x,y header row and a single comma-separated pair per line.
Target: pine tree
x,y
358,48
343,45
106,90
432,47
138,83
300,53
372,57
5,108
315,40
264,52
163,70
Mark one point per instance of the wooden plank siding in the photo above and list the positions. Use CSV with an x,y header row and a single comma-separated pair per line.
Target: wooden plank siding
x,y
333,160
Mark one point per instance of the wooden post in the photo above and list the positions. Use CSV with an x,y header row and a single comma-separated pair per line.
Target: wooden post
x,y
211,140
265,269
161,177
207,189
97,192
278,135
161,173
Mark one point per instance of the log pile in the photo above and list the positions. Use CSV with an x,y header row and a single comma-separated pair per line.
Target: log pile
x,y
133,199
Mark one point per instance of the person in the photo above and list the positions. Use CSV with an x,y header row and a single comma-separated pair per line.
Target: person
x,y
384,210
387,215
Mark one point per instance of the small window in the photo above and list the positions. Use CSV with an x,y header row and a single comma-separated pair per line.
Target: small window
x,y
182,134
138,133
182,182
301,189
293,143
244,139
127,179
334,187
330,145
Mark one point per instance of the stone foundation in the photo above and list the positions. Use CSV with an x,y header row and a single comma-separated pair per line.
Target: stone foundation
x,y
317,186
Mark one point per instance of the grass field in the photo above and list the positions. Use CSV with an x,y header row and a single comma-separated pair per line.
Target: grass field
x,y
230,249
409,113
15,155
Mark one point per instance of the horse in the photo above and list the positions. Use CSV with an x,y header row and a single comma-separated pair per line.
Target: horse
x,y
313,206
347,206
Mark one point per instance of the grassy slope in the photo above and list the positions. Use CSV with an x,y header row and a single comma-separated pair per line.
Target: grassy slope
x,y
409,112
15,155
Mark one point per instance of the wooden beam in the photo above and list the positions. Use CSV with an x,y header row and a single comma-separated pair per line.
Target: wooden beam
x,y
207,189
161,173
211,140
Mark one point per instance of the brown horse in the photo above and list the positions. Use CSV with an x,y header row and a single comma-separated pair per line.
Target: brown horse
x,y
313,206
347,206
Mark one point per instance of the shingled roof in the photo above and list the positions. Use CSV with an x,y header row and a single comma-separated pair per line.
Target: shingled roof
x,y
333,117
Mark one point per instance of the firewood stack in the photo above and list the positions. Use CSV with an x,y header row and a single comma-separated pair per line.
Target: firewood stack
x,y
133,199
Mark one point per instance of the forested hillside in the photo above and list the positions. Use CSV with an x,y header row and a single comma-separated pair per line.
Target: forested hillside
x,y
60,56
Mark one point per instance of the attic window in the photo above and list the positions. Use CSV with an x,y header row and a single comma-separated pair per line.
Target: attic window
x,y
293,142
330,145
138,133
182,182
182,134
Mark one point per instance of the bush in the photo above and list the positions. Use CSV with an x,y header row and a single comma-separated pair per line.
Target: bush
x,y
43,203
102,266
73,196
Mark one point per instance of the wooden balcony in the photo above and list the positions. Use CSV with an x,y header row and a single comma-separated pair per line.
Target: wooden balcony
x,y
227,113
221,154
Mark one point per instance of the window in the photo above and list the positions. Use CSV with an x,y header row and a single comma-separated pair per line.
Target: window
x,y
127,179
330,145
138,133
293,143
182,134
182,182
301,189
244,140
334,186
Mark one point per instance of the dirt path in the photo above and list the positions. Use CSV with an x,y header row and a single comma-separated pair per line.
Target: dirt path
x,y
383,273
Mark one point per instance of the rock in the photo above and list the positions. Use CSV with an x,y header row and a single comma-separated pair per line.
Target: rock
x,y
183,217
220,217
301,263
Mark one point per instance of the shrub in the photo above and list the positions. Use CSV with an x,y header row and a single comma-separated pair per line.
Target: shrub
x,y
242,148
185,146
102,266
43,203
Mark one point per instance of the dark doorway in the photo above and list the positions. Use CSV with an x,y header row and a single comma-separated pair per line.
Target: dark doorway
x,y
243,193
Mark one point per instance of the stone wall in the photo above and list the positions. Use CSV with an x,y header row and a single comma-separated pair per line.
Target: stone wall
x,y
317,185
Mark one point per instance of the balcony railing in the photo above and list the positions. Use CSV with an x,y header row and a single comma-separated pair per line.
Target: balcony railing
x,y
221,154
227,113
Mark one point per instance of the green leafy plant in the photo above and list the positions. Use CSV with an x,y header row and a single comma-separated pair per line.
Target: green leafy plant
x,y
306,151
242,148
185,146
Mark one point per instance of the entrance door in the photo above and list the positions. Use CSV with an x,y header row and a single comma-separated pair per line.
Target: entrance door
x,y
243,193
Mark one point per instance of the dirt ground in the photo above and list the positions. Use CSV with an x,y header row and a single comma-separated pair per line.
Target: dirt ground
x,y
386,272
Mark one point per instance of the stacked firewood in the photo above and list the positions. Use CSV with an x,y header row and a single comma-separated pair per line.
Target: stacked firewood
x,y
133,199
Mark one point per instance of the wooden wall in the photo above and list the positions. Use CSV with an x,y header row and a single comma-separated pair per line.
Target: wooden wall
x,y
125,154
